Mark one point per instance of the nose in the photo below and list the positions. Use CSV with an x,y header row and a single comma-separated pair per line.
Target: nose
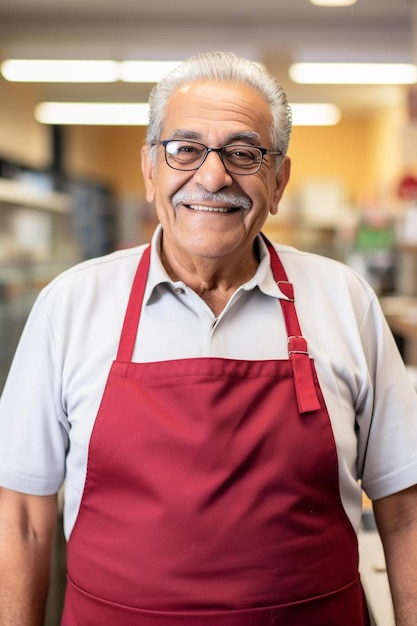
x,y
212,173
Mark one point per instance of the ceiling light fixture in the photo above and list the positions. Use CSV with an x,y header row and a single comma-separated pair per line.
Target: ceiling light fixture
x,y
136,114
354,73
333,3
315,114
93,113
64,71
85,71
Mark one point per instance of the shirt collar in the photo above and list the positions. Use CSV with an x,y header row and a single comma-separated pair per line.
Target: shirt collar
x,y
263,278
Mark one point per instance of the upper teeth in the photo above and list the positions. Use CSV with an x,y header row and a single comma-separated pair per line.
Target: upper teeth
x,y
200,207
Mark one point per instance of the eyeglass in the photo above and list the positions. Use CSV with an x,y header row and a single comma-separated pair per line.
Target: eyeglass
x,y
238,159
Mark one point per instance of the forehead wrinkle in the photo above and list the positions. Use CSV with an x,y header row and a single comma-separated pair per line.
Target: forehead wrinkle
x,y
246,136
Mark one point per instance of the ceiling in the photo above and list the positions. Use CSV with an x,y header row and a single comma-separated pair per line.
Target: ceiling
x,y
276,32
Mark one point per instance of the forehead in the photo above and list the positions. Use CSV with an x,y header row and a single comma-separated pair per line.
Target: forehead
x,y
217,109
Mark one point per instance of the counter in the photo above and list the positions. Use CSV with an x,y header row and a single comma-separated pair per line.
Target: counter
x,y
375,579
401,314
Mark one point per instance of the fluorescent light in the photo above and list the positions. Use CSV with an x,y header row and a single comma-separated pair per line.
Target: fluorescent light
x,y
64,71
136,114
93,113
333,3
145,71
354,73
315,114
84,71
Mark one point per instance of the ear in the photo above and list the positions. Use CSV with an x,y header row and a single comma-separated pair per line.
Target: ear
x,y
281,180
148,171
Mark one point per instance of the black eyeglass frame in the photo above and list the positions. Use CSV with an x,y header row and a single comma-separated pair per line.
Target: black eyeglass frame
x,y
262,152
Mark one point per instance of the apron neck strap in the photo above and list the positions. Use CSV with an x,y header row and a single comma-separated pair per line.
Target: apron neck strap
x,y
134,307
306,393
288,307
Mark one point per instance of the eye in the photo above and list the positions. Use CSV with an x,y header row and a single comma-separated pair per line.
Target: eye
x,y
242,157
187,148
241,154
184,150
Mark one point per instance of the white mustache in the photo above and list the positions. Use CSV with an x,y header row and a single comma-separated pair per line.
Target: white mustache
x,y
220,197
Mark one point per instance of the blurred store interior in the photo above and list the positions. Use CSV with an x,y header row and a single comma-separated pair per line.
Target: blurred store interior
x,y
72,191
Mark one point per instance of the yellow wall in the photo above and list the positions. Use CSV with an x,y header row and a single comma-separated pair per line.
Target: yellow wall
x,y
364,152
109,153
388,131
340,152
22,139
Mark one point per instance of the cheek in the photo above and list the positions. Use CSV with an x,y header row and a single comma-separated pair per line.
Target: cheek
x,y
167,183
262,194
170,181
271,192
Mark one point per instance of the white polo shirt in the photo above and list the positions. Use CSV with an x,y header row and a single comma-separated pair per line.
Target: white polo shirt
x,y
59,372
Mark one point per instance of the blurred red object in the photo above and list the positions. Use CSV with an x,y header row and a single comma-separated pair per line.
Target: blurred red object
x,y
407,188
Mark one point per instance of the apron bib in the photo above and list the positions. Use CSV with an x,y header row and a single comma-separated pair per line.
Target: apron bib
x,y
212,494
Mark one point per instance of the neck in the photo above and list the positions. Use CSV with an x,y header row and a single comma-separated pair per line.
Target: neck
x,y
214,279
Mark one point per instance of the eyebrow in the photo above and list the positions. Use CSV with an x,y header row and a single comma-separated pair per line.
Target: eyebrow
x,y
246,136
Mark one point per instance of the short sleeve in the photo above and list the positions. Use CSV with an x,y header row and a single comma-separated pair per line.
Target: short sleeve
x,y
33,425
388,452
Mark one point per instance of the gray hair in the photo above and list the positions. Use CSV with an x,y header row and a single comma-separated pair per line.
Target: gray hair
x,y
223,66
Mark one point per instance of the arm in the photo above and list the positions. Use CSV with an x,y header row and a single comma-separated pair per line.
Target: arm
x,y
27,526
396,518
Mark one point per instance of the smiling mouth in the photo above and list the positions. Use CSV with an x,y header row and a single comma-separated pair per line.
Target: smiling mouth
x,y
211,209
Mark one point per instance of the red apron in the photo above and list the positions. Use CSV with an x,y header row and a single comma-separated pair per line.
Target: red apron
x,y
212,495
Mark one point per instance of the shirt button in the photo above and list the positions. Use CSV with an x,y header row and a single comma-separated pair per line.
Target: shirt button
x,y
179,290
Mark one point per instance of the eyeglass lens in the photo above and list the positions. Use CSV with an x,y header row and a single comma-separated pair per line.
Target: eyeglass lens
x,y
189,155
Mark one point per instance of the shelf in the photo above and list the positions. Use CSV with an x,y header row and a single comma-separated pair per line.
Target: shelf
x,y
19,194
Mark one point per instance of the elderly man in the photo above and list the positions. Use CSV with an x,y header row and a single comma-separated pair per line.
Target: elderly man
x,y
214,403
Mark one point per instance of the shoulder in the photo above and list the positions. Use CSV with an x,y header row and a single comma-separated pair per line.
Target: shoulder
x,y
110,264
322,271
94,289
328,292
114,271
